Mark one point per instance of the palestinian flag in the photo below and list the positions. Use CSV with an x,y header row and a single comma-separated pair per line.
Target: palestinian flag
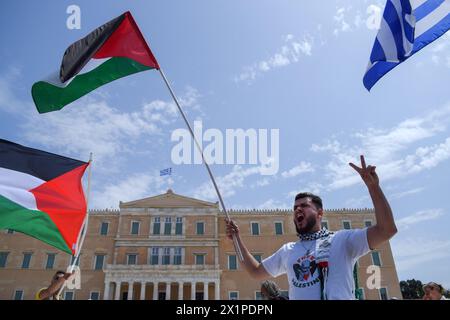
x,y
112,51
41,195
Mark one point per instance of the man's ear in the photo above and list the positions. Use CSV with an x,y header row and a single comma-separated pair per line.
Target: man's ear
x,y
320,213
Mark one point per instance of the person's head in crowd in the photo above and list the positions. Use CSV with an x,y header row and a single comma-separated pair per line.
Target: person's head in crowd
x,y
433,291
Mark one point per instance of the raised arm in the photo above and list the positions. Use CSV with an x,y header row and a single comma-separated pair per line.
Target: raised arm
x,y
54,287
251,265
385,228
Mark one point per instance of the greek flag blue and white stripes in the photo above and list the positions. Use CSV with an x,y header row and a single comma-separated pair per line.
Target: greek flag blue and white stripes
x,y
406,27
165,172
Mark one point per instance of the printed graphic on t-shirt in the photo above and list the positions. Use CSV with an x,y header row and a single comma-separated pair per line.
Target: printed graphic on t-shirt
x,y
305,270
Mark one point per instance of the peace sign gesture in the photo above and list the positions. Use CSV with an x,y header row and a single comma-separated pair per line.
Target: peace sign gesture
x,y
367,173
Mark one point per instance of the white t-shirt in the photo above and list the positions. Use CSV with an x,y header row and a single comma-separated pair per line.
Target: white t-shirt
x,y
302,272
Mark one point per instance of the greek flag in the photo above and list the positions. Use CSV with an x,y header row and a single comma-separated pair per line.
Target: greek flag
x,y
406,27
165,172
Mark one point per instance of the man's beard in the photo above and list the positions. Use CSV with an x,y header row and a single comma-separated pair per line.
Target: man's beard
x,y
310,224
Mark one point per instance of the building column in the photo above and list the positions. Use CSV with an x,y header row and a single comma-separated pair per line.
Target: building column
x,y
117,293
205,290
217,290
143,284
106,291
155,290
168,290
193,285
130,290
180,290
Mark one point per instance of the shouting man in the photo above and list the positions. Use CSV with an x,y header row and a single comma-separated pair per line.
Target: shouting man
x,y
320,264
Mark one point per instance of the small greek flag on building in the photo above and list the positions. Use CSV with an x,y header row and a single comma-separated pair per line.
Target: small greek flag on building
x,y
165,172
406,27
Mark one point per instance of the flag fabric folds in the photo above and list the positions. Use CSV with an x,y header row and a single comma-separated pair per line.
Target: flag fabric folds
x,y
165,172
112,51
406,27
41,195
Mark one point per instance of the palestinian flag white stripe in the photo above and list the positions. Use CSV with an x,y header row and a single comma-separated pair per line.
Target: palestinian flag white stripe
x,y
15,186
55,80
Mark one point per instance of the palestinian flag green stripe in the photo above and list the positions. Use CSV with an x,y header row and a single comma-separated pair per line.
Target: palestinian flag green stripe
x,y
49,97
31,222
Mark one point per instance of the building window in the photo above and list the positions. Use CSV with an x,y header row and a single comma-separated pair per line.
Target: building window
x,y
376,258
161,296
95,295
168,226
68,295
50,261
18,295
232,262
255,228
99,261
177,256
199,296
383,294
104,228
199,259
135,227
368,223
154,259
233,295
132,259
257,257
179,226
73,259
346,225
166,256
3,259
157,225
26,260
278,228
324,225
200,228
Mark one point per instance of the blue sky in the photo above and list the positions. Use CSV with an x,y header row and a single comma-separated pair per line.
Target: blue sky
x,y
290,65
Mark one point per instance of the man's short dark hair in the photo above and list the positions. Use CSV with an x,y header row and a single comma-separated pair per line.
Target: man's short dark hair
x,y
315,199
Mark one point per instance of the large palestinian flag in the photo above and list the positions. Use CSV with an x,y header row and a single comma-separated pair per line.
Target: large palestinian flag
x,y
112,51
41,195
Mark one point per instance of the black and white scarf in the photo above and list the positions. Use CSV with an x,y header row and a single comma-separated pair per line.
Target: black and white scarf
x,y
323,245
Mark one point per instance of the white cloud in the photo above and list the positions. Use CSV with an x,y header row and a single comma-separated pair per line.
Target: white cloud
x,y
411,252
227,184
303,167
263,182
339,18
360,202
90,125
421,216
313,187
287,54
8,99
389,149
135,187
272,204
402,194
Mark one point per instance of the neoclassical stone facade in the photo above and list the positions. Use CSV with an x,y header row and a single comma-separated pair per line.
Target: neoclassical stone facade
x,y
174,247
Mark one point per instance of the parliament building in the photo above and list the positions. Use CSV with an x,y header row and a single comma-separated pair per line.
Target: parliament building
x,y
174,247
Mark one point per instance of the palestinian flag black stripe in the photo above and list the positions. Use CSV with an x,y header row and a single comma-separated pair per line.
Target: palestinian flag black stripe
x,y
41,164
